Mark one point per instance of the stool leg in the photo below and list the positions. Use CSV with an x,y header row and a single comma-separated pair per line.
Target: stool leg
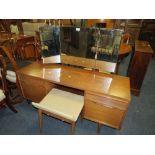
x,y
82,115
40,119
72,131
99,128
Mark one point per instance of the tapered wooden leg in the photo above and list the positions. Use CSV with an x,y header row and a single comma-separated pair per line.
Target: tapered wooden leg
x,y
40,119
10,92
12,108
99,128
72,128
82,115
9,103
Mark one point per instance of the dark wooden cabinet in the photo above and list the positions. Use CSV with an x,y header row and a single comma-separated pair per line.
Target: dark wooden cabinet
x,y
138,65
147,32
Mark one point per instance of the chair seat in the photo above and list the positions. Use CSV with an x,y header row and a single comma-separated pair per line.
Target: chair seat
x,y
2,96
62,103
11,73
11,78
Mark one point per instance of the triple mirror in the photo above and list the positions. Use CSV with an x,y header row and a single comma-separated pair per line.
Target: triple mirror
x,y
92,43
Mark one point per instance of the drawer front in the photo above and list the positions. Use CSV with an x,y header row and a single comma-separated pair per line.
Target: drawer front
x,y
102,114
33,88
107,101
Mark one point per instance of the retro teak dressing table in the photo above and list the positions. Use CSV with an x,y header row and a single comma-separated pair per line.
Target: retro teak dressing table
x,y
107,96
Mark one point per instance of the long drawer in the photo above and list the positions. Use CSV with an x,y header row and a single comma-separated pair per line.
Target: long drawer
x,y
107,100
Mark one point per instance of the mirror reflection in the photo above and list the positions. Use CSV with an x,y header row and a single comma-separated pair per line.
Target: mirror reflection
x,y
93,43
50,43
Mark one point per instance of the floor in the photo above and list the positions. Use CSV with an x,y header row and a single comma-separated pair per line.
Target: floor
x,y
139,120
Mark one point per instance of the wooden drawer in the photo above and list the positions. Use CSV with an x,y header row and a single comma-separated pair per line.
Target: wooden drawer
x,y
102,114
34,89
107,101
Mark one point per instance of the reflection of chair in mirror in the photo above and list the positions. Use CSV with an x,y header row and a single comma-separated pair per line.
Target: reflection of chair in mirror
x,y
4,92
62,105
106,44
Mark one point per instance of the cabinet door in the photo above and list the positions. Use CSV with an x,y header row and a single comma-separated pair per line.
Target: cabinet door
x,y
102,111
138,68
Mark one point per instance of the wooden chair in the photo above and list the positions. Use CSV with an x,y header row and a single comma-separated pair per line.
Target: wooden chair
x,y
10,44
30,50
38,45
5,51
4,92
124,49
62,105
11,77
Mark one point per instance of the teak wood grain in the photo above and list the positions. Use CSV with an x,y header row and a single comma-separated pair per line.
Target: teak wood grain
x,y
83,62
107,96
103,83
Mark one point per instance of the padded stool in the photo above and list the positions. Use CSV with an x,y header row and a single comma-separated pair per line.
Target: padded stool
x,y
62,105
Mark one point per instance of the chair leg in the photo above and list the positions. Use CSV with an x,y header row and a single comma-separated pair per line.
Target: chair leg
x,y
72,131
12,108
10,92
28,101
40,119
9,104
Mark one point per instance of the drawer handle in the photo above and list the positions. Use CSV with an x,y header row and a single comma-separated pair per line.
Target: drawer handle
x,y
108,106
102,104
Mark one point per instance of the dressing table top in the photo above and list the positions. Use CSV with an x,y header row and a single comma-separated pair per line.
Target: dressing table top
x,y
99,83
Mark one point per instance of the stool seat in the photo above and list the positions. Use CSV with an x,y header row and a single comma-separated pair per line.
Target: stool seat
x,y
62,103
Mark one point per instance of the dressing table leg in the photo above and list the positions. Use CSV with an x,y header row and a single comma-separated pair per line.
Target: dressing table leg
x,y
82,115
40,120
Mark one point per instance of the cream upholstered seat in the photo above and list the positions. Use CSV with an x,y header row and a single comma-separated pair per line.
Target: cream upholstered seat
x,y
10,76
62,105
2,96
